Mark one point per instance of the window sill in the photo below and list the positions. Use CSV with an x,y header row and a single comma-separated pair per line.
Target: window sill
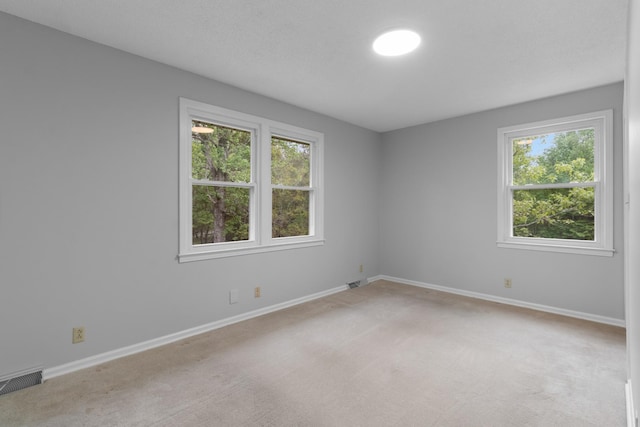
x,y
579,250
225,253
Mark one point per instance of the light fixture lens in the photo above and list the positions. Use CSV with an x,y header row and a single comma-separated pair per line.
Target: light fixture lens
x,y
395,43
201,129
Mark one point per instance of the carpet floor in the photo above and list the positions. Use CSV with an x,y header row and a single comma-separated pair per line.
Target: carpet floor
x,y
385,354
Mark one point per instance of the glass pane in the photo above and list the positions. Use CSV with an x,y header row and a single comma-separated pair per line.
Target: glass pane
x,y
565,213
220,153
290,164
560,157
290,210
219,214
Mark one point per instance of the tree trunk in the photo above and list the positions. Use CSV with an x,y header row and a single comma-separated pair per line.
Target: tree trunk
x,y
219,215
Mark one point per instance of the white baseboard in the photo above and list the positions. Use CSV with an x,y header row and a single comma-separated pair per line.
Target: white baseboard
x,y
509,301
631,412
374,279
167,339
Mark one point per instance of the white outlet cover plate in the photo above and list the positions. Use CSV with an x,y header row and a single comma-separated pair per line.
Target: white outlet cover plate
x,y
233,296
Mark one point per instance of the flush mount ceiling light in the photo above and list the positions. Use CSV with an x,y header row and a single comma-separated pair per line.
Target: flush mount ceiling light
x,y
397,42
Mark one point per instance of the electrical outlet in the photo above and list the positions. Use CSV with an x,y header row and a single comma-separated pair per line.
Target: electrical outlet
x,y
507,283
256,292
361,268
78,335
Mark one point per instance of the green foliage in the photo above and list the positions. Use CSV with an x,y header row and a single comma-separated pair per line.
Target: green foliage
x,y
222,155
290,166
559,213
290,213
232,206
565,213
290,162
201,214
221,213
571,160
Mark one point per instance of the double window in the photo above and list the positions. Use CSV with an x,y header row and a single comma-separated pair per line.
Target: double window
x,y
555,185
247,184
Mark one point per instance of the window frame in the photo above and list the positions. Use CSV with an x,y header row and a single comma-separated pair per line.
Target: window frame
x,y
602,245
260,216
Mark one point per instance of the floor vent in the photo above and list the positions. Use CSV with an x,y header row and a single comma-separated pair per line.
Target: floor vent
x,y
24,380
354,284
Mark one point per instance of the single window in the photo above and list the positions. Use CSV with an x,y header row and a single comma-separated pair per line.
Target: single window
x,y
555,186
247,184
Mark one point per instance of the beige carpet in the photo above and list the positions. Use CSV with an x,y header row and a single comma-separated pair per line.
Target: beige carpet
x,y
381,355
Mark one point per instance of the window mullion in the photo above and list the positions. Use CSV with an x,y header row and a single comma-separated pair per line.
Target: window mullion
x,y
205,182
290,187
552,186
265,187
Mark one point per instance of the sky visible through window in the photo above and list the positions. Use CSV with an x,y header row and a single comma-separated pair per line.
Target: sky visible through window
x,y
537,143
541,143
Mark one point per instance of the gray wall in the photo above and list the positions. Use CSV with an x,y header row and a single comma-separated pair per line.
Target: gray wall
x,y
438,211
89,203
633,213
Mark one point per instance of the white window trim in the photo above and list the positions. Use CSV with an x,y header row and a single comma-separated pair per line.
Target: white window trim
x,y
262,129
602,121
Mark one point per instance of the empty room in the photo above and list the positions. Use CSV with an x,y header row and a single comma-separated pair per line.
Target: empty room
x,y
299,213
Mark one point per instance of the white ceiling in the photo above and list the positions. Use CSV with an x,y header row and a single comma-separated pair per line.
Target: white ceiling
x,y
475,54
